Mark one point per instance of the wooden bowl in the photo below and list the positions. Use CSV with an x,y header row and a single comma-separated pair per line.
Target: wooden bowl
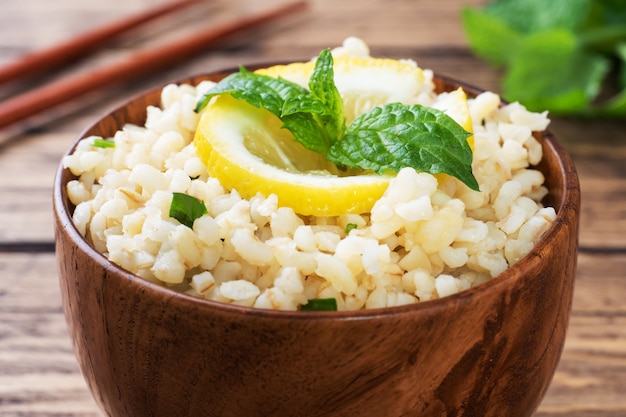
x,y
488,351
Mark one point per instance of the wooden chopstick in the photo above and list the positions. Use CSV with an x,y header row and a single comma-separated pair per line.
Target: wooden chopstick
x,y
56,56
143,63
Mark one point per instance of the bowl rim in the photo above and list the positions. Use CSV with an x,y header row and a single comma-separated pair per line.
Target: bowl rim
x,y
569,201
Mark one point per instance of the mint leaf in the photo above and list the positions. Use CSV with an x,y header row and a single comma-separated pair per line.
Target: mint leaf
x,y
103,143
308,131
322,86
258,90
394,136
318,114
551,71
186,209
320,304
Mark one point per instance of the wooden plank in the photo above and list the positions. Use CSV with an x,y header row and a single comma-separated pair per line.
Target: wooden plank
x,y
39,375
598,148
590,377
600,285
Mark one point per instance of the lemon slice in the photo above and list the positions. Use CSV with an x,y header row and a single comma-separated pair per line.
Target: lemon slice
x,y
245,148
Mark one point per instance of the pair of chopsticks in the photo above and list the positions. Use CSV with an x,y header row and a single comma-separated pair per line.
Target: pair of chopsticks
x,y
35,101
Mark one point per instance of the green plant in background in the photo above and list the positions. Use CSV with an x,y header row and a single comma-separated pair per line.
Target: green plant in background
x,y
556,54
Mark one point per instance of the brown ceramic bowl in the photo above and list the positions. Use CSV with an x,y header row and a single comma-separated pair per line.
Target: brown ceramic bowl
x,y
488,351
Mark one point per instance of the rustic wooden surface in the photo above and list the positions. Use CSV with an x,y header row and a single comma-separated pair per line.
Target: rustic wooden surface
x,y
38,373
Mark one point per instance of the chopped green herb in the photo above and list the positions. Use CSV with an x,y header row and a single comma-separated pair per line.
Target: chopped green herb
x,y
186,209
556,54
320,304
385,139
103,143
350,227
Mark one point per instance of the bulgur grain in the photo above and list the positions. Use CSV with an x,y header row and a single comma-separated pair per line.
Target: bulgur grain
x,y
427,237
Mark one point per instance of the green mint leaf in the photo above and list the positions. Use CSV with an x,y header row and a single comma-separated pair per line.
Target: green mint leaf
x,y
308,130
490,37
304,104
551,72
258,90
350,227
305,117
186,209
320,304
394,136
316,119
103,143
322,86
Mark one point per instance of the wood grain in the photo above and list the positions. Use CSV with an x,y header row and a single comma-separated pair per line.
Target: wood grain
x,y
38,372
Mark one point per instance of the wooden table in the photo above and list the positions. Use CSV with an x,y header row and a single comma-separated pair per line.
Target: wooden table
x,y
38,373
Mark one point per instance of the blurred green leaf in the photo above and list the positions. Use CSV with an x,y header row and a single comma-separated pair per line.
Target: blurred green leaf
x,y
621,53
555,54
550,71
613,11
613,108
535,15
489,37
604,39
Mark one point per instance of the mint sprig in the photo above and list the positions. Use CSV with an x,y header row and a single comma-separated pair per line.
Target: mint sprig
x,y
385,139
555,55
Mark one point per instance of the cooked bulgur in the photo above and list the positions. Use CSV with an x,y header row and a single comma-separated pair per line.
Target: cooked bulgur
x,y
423,239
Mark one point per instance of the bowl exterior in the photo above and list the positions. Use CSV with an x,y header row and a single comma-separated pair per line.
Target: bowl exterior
x,y
489,351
